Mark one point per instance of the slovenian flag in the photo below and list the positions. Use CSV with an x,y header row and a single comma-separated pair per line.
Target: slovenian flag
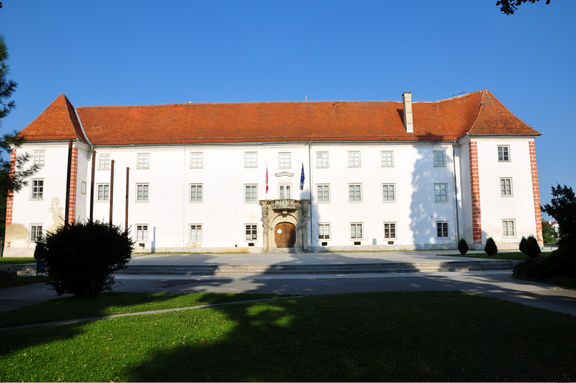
x,y
266,179
302,177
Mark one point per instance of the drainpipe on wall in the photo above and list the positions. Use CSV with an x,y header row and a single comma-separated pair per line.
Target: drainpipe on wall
x,y
455,191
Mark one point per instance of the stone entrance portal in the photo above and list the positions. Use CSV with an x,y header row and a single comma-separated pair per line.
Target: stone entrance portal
x,y
285,225
285,235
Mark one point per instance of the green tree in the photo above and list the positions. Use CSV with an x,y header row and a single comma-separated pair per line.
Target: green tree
x,y
510,6
550,235
563,208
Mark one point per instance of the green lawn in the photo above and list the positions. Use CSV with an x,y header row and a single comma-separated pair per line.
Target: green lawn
x,y
20,281
518,256
11,261
396,336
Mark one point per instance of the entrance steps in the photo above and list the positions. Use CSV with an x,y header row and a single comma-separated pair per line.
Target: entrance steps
x,y
351,268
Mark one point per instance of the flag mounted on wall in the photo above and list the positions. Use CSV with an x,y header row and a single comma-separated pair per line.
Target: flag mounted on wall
x,y
302,177
266,179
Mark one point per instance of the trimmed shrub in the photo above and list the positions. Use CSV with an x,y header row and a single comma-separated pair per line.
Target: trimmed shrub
x,y
81,258
462,246
522,246
532,248
491,249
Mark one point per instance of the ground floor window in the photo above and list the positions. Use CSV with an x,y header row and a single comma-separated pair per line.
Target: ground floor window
x,y
196,232
251,231
35,233
142,233
442,229
390,230
323,231
508,228
356,230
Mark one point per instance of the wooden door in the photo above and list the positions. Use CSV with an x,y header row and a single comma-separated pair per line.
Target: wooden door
x,y
285,235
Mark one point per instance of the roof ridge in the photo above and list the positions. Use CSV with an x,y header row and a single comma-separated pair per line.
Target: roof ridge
x,y
480,109
238,103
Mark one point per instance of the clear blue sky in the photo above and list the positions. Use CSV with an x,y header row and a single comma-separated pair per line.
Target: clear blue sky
x,y
128,52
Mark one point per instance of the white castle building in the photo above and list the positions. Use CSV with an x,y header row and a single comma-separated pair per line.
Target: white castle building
x,y
261,177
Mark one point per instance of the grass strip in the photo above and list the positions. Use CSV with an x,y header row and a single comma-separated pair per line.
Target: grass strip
x,y
13,261
518,256
395,336
113,303
21,281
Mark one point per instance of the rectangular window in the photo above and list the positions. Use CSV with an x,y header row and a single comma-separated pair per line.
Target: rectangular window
x,y
251,231
39,156
508,228
143,161
354,160
142,192
142,233
285,191
196,191
250,159
196,160
323,192
355,192
506,187
103,192
356,230
323,231
439,158
442,229
284,160
388,192
390,230
196,232
322,159
440,192
387,159
503,153
37,189
251,193
104,161
35,233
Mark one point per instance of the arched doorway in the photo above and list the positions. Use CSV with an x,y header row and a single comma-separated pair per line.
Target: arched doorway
x,y
285,235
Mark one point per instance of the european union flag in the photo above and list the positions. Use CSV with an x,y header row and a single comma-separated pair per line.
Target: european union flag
x,y
302,177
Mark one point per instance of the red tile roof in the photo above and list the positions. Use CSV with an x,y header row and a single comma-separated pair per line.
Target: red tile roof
x,y
474,113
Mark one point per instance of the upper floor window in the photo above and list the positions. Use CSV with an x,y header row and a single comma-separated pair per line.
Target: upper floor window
x,y
142,192
196,192
387,158
37,189
284,160
143,161
196,160
439,158
355,192
354,159
323,231
323,192
285,191
250,159
503,153
506,187
321,159
104,161
440,192
251,193
388,192
39,156
442,229
35,233
103,192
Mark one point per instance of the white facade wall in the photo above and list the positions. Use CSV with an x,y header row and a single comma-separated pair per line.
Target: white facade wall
x,y
223,212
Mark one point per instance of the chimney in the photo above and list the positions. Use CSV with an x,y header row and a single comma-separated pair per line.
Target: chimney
x,y
408,122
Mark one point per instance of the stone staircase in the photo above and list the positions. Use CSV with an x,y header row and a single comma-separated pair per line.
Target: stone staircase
x,y
358,268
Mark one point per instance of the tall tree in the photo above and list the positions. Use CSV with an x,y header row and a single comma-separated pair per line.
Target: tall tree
x,y
563,208
510,6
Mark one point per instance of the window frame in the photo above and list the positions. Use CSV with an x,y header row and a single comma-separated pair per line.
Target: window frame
x,y
196,230
34,236
98,192
442,227
37,195
384,162
197,186
39,157
319,193
284,185
251,229
355,231
196,160
350,185
439,158
284,160
506,191
251,186
438,197
146,232
322,163
250,163
393,185
143,161
322,236
144,185
507,154
505,229
390,232
104,161
352,163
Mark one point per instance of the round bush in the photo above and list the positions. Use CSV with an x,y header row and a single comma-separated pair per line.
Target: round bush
x,y
462,246
532,248
491,249
81,258
522,246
